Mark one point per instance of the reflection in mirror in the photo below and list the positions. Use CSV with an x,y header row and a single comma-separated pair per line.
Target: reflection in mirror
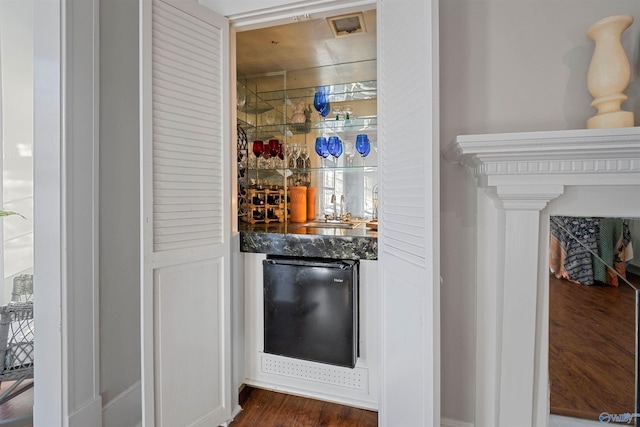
x,y
593,316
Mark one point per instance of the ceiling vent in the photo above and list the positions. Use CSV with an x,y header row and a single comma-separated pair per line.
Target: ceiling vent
x,y
347,24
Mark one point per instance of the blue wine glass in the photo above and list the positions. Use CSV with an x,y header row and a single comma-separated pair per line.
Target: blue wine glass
x,y
335,146
321,147
362,144
319,101
367,150
327,109
339,152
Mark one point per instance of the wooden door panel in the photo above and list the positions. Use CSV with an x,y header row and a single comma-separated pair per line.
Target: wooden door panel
x,y
188,328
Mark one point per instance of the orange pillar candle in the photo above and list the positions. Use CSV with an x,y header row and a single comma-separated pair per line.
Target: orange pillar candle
x,y
311,203
298,203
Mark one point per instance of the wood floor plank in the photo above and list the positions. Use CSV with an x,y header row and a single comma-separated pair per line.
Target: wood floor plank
x,y
266,408
17,408
592,333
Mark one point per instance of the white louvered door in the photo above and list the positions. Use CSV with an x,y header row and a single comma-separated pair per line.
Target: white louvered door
x,y
185,215
409,228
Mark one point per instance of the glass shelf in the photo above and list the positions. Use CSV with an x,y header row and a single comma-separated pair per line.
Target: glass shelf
x,y
286,172
337,93
260,103
357,125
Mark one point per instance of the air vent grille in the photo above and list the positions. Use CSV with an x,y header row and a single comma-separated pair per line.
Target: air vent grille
x,y
345,25
356,378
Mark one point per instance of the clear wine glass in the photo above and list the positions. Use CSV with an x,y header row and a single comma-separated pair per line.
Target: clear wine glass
x,y
288,151
348,112
266,156
295,155
304,155
349,151
337,113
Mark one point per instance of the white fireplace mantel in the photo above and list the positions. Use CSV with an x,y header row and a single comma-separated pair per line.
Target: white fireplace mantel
x,y
571,157
521,173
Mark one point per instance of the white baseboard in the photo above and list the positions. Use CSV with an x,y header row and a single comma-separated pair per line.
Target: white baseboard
x,y
447,422
554,421
125,410
562,421
235,412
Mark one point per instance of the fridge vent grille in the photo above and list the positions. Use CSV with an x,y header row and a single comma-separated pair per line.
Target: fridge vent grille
x,y
335,375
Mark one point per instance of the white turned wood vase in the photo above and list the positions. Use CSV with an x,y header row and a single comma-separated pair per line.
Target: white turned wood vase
x,y
609,73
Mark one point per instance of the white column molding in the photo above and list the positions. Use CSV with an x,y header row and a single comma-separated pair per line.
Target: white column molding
x,y
518,327
522,173
516,331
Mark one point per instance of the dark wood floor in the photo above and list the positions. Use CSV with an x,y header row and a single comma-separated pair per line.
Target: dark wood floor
x,y
17,407
272,409
591,348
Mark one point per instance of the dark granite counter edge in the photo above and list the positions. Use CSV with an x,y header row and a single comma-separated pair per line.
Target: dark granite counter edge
x,y
310,245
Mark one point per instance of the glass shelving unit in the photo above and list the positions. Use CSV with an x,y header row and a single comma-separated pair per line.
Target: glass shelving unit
x,y
265,109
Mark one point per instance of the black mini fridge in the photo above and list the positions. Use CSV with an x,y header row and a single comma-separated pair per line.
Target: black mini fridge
x,y
311,309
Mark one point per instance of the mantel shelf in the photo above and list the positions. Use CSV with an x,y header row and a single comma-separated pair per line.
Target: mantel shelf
x,y
577,154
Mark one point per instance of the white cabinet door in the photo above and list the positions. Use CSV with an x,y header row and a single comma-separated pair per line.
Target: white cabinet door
x,y
408,207
185,215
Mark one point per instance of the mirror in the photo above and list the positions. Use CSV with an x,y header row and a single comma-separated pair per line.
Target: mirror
x,y
594,285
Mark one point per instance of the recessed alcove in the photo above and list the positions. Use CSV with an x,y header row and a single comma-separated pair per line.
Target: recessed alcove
x,y
523,179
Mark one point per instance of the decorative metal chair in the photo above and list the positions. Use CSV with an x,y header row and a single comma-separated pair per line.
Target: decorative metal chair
x,y
16,338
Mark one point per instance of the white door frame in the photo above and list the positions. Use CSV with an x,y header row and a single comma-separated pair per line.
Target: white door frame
x,y
67,391
49,258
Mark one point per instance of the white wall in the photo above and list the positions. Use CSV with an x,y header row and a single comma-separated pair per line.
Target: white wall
x,y
119,200
506,66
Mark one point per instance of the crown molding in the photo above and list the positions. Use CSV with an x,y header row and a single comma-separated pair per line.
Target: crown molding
x,y
289,12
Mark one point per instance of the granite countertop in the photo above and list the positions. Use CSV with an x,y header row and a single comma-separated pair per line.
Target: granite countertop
x,y
290,239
